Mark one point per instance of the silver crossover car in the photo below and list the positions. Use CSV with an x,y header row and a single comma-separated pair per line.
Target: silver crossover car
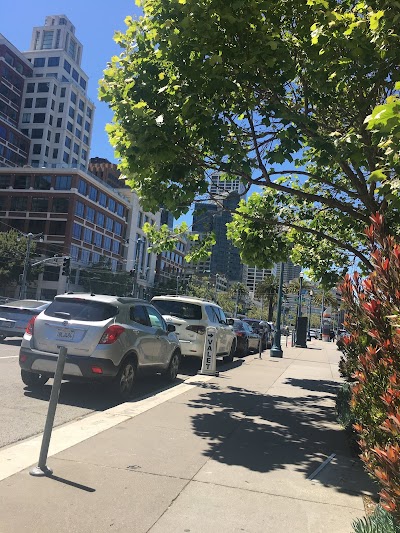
x,y
108,338
14,316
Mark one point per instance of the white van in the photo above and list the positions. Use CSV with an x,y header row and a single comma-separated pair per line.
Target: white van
x,y
191,316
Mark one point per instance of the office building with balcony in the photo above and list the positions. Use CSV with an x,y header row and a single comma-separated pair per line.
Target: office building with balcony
x,y
77,214
56,113
107,172
14,68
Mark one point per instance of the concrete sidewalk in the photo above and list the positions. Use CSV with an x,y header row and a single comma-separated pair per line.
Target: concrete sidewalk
x,y
232,454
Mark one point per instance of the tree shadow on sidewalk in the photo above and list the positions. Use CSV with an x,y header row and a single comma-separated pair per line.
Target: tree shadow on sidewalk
x,y
276,432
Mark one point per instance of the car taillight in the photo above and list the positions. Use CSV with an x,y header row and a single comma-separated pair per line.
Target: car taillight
x,y
197,329
111,334
29,327
240,334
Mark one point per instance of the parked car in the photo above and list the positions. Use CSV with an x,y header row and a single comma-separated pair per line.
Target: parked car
x,y
247,339
14,316
314,333
263,329
191,316
108,339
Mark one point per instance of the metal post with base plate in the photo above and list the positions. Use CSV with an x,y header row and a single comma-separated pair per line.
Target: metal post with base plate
x,y
209,363
42,469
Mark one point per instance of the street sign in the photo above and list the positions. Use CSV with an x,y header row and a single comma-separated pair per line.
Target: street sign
x,y
209,363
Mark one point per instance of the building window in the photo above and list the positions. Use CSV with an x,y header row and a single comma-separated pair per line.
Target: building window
x,y
73,97
81,105
35,163
107,243
39,118
47,40
40,205
72,48
78,133
59,122
75,75
60,205
37,148
53,61
89,112
100,220
79,209
92,193
85,256
86,139
70,127
66,157
63,183
37,133
30,88
39,62
140,219
55,89
67,66
5,181
118,228
49,134
55,153
68,142
103,199
61,107
87,235
26,117
41,102
22,182
97,239
87,126
111,205
79,120
84,154
28,102
43,183
82,187
82,83
109,224
43,87
74,251
53,105
19,203
120,210
76,148
116,247
74,162
90,214
50,122
76,231
62,95
71,112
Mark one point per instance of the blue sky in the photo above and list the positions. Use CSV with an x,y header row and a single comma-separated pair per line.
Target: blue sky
x,y
95,23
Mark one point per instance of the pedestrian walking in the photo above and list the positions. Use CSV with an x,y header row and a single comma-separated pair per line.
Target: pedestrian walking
x,y
332,335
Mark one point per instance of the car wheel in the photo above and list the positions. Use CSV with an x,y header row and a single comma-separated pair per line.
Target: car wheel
x,y
229,358
172,371
125,381
33,380
245,349
2,338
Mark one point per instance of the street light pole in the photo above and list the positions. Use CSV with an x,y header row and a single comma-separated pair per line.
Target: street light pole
x,y
136,267
276,350
30,237
216,288
309,316
177,284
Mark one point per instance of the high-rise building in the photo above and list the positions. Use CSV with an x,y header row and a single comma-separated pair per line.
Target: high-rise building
x,y
290,271
14,68
106,171
252,276
56,112
222,187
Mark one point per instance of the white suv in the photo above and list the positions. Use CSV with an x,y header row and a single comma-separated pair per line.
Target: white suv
x,y
191,316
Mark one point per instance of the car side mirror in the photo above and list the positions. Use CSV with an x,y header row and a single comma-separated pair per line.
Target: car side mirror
x,y
230,321
171,328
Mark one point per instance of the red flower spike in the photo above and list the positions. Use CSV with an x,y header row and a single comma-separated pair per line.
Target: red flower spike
x,y
377,220
385,265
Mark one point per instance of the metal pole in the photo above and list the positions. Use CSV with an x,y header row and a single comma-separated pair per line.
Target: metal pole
x,y
177,285
216,288
26,266
236,303
42,469
309,317
322,311
276,350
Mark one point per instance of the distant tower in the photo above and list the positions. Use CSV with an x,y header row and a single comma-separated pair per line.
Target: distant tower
x,y
57,114
221,187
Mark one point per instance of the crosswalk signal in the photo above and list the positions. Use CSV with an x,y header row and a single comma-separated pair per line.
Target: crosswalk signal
x,y
66,266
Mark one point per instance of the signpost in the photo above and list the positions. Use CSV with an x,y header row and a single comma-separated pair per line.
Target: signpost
x,y
209,363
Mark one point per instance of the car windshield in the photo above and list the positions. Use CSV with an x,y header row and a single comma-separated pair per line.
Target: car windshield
x,y
253,323
80,309
185,310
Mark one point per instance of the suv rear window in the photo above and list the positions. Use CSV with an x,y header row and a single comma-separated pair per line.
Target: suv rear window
x,y
90,311
185,310
16,311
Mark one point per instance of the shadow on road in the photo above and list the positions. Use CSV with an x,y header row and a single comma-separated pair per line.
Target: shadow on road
x,y
11,342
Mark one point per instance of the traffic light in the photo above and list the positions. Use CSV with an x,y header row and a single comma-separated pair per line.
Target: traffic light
x,y
66,266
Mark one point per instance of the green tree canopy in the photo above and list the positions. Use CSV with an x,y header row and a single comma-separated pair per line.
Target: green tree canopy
x,y
298,97
12,258
100,279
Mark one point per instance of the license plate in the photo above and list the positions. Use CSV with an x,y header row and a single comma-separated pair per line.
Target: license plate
x,y
65,334
7,324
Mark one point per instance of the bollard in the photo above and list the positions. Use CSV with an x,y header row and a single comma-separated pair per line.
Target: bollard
x,y
260,349
42,469
209,362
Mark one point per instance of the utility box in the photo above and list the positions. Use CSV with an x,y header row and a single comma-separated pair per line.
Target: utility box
x,y
301,332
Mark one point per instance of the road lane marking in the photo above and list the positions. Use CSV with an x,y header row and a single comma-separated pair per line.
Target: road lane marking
x,y
17,457
8,356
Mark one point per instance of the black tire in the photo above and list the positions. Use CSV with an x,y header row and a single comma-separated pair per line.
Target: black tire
x,y
125,381
2,338
229,358
33,380
245,350
172,371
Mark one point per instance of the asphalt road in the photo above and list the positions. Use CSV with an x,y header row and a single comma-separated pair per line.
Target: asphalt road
x,y
23,412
